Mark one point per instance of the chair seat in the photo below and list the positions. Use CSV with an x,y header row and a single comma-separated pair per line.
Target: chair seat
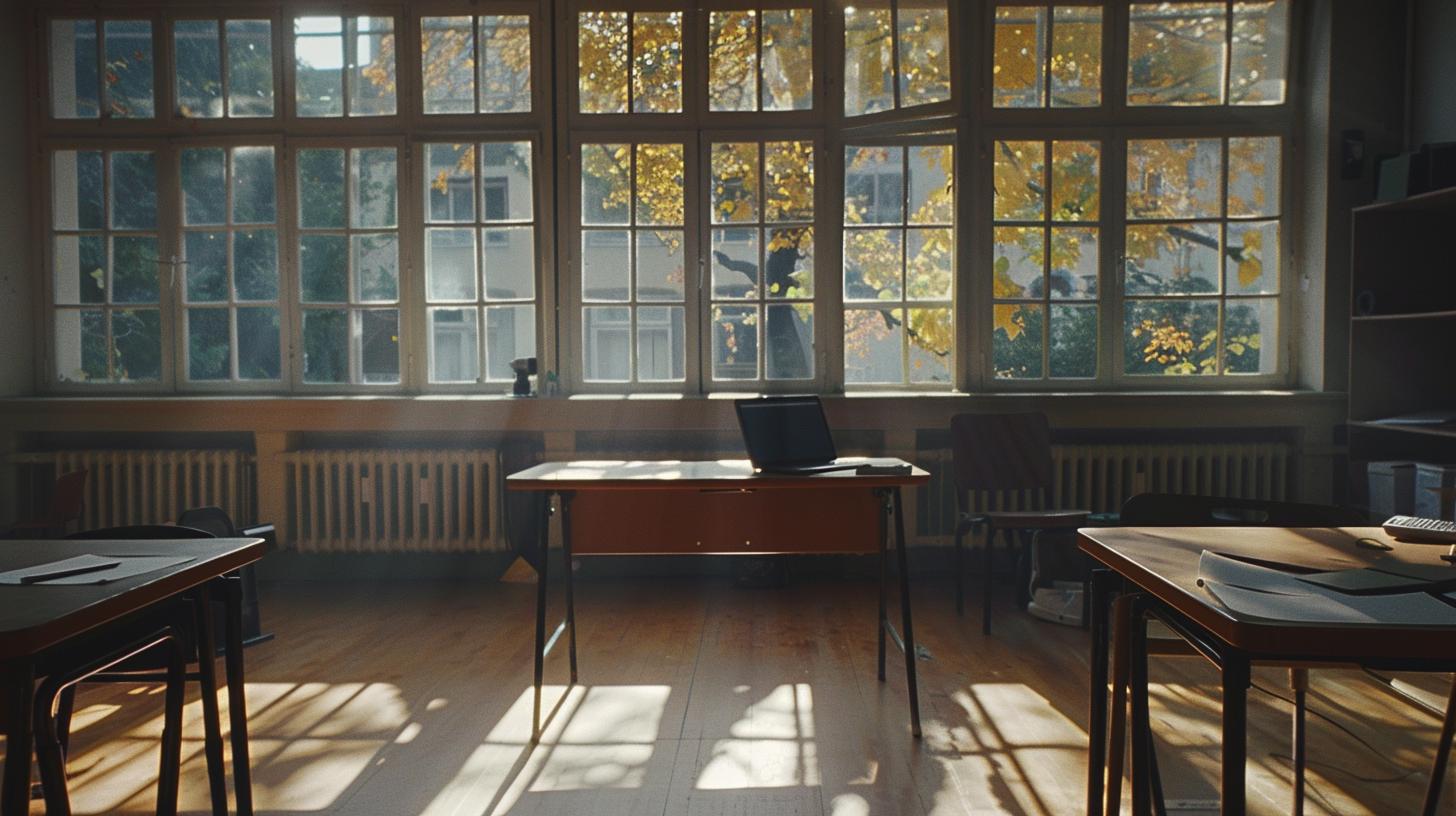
x,y
1038,519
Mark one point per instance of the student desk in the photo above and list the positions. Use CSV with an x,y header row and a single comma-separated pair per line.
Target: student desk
x,y
719,507
37,621
1164,563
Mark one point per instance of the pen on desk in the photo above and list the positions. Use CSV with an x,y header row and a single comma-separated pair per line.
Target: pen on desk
x,y
66,572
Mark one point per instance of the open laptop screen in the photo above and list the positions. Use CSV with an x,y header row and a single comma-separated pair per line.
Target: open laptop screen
x,y
785,433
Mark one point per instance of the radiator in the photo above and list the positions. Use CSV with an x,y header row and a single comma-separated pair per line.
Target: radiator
x,y
1100,478
154,486
393,501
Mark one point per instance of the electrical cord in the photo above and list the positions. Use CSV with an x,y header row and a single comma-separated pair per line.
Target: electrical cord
x,y
1376,751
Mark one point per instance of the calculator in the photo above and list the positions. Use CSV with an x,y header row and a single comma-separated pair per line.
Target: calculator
x,y
1410,528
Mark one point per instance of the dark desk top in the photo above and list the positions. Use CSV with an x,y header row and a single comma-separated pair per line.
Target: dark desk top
x,y
682,475
35,617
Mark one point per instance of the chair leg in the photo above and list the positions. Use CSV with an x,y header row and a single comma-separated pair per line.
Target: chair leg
x,y
1117,719
986,581
169,771
49,755
960,571
65,707
1443,754
1299,684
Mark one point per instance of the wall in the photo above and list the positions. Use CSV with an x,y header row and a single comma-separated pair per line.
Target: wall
x,y
16,308
1433,86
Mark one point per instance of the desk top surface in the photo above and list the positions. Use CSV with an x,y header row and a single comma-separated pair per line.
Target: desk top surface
x,y
688,475
1165,562
37,616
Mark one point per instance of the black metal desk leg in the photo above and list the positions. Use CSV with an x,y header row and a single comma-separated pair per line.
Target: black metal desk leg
x,y
566,576
237,695
1235,731
15,794
1097,711
911,681
1137,635
211,716
542,559
884,620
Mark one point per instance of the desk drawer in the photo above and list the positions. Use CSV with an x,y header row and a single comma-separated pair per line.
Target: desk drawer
x,y
652,522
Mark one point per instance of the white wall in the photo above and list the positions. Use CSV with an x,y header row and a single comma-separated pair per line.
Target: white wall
x,y
17,316
1433,69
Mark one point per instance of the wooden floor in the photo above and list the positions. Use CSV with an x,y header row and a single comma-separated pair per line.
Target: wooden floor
x,y
412,697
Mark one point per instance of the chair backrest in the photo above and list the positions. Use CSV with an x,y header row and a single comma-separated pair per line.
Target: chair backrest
x,y
138,531
215,520
69,495
1002,452
1175,510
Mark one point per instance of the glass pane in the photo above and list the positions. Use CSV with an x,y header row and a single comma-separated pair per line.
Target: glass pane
x,y
81,346
1016,77
606,264
932,336
198,71
932,199
607,343
790,341
657,62
505,64
1174,178
1172,259
660,351
506,173
789,267
204,186
874,185
325,346
321,189
1170,337
376,258
1176,54
1245,324
930,265
450,264
1073,350
80,265
1018,266
509,261
209,347
735,182
133,190
1259,53
255,265
254,186
450,183
259,355
375,181
868,58
206,271
872,264
318,48
606,183
1076,58
454,345
129,69
733,61
789,181
660,265
324,268
735,263
75,85
1020,181
1016,341
1254,176
1076,181
379,345
1252,259
136,336
924,53
1074,263
873,340
659,187
250,68
449,64
510,333
135,273
788,59
79,198
735,342
371,78
602,61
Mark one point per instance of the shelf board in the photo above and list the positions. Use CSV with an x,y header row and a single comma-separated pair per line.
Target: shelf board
x,y
1448,431
1450,313
1436,198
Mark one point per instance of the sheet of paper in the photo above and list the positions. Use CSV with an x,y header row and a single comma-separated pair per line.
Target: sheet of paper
x,y
54,569
1407,609
127,566
1233,572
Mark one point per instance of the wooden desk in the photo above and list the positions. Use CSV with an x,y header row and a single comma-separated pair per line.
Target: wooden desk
x,y
721,507
1164,563
36,621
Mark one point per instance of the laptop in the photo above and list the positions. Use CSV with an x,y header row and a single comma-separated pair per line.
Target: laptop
x,y
787,435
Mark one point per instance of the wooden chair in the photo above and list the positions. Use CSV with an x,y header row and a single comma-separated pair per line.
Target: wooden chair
x,y
1009,455
67,499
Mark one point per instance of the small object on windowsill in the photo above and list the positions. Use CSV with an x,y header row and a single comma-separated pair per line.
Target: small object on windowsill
x,y
525,368
882,470
1441,417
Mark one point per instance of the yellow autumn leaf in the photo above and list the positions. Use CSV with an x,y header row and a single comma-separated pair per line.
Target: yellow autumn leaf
x,y
1250,268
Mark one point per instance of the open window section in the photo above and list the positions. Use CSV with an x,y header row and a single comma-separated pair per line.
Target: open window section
x,y
1202,53
476,64
344,66
896,55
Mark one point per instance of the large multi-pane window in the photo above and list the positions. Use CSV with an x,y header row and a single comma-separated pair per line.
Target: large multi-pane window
x,y
1071,195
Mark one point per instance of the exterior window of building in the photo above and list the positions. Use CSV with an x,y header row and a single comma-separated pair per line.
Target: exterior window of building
x,y
230,264
761,60
348,264
344,66
896,55
1205,53
899,265
630,62
1048,57
480,259
102,69
476,64
223,68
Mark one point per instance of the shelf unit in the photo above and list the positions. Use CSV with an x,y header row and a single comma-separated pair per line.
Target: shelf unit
x,y
1403,328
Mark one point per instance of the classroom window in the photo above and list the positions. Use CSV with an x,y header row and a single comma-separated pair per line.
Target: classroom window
x,y
761,60
896,55
1208,53
1048,56
102,69
224,68
476,64
344,66
629,61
